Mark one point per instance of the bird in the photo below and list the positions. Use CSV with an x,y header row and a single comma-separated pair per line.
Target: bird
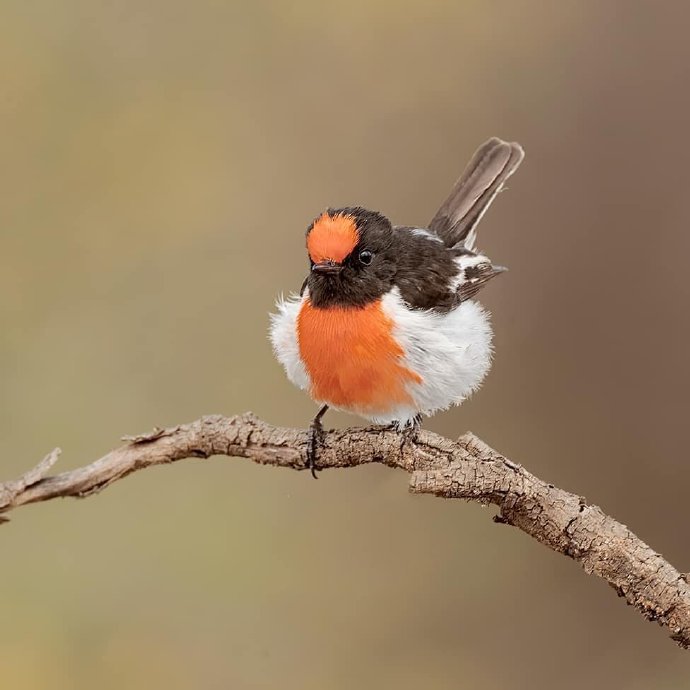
x,y
386,325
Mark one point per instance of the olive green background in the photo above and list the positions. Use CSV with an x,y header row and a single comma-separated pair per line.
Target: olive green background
x,y
160,161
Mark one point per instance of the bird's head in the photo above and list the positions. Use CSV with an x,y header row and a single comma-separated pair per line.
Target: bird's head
x,y
352,257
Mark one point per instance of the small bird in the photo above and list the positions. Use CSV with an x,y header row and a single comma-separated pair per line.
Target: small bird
x,y
385,325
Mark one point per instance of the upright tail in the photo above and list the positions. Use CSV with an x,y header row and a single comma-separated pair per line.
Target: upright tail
x,y
492,164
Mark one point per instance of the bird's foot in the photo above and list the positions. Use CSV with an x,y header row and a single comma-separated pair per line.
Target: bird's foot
x,y
315,438
408,430
314,443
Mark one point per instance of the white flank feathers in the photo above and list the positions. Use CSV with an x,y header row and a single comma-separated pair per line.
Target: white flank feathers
x,y
283,335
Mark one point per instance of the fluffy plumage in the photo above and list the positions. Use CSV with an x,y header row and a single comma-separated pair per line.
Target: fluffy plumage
x,y
449,351
385,325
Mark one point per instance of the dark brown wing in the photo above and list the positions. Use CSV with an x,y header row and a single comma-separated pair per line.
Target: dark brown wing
x,y
475,278
492,164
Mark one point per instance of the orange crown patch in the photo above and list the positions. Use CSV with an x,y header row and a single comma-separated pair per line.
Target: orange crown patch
x,y
332,238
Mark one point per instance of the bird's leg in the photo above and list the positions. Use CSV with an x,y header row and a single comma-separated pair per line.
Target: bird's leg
x,y
315,440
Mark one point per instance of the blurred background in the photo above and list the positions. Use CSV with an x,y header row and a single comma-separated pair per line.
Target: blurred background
x,y
160,162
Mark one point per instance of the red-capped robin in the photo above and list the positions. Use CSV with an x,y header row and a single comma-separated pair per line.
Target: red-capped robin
x,y
385,325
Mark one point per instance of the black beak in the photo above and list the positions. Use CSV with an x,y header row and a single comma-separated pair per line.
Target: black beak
x,y
327,267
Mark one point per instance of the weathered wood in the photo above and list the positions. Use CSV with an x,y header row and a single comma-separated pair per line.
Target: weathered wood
x,y
467,468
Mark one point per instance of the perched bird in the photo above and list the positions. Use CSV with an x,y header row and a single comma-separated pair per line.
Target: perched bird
x,y
385,325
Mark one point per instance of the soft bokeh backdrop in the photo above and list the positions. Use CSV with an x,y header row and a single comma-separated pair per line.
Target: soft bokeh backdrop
x,y
160,161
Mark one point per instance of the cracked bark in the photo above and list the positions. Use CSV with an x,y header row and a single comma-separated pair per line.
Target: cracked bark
x,y
467,468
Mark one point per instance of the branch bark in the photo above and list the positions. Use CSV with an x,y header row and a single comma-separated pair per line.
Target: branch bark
x,y
466,468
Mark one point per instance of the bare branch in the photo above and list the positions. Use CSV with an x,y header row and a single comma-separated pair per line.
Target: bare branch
x,y
467,469
10,490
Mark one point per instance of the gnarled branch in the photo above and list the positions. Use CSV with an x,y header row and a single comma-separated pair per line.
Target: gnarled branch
x,y
467,468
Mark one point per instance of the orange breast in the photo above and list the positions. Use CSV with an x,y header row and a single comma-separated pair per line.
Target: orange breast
x,y
352,358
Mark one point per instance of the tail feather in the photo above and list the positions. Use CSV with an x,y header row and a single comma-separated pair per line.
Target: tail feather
x,y
492,164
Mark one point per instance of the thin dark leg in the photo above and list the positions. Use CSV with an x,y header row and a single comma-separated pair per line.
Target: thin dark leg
x,y
315,440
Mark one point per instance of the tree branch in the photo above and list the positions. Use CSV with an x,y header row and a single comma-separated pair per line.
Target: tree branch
x,y
467,468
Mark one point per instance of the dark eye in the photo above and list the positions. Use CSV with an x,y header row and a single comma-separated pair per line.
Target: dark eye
x,y
366,257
